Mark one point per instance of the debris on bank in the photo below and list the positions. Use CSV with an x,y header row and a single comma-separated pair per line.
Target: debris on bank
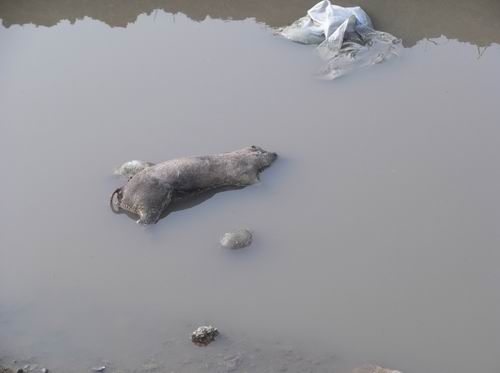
x,y
237,240
345,37
204,335
373,369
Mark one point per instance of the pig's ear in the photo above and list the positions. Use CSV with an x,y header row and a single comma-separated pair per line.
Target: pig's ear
x,y
119,195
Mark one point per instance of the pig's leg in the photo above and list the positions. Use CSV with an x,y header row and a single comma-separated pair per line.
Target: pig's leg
x,y
151,200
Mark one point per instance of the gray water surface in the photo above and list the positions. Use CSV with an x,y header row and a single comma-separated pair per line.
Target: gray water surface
x,y
375,233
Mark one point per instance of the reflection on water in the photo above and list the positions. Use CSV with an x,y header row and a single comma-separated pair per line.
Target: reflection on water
x,y
376,233
475,21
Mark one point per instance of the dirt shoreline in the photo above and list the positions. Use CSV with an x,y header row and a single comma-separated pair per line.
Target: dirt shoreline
x,y
475,22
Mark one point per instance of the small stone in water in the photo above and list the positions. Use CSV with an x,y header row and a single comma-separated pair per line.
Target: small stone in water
x,y
204,335
237,240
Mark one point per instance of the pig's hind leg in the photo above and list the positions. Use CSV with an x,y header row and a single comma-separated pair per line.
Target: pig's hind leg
x,y
152,199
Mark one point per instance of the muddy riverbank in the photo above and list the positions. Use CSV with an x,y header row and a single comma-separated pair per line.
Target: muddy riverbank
x,y
477,21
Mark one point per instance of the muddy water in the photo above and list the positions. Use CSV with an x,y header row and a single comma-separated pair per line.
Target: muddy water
x,y
376,233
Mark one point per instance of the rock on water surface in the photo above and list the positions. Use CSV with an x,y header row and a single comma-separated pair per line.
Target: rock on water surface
x,y
237,240
204,335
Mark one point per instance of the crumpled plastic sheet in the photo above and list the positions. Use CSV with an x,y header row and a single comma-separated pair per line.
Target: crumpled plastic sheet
x,y
345,37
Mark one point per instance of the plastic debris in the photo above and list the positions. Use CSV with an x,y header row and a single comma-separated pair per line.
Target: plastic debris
x,y
99,369
237,240
373,369
345,37
204,335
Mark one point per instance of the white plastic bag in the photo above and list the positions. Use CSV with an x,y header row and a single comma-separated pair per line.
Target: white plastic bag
x,y
345,37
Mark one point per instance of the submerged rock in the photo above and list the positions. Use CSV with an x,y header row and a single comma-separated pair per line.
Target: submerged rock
x,y
232,362
204,335
237,240
151,366
129,169
373,369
